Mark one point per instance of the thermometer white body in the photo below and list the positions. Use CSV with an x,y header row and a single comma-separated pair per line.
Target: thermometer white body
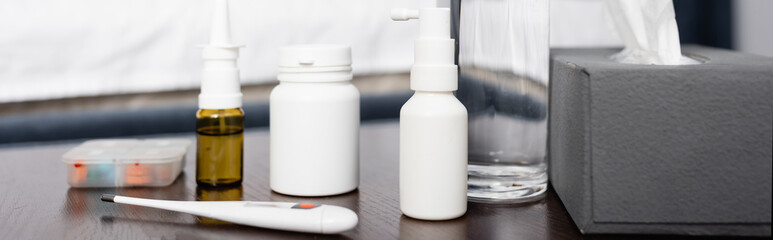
x,y
310,218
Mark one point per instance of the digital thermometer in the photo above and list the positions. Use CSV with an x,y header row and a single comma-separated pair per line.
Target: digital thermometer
x,y
310,218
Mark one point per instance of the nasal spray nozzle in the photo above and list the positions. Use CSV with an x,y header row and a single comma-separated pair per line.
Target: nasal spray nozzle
x,y
220,86
433,68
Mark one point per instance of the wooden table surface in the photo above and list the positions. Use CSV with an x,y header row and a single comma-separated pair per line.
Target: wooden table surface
x,y
37,203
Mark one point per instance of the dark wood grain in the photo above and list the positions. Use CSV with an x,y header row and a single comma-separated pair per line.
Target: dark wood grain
x,y
37,203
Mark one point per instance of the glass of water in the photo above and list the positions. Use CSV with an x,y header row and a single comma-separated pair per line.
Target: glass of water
x,y
503,82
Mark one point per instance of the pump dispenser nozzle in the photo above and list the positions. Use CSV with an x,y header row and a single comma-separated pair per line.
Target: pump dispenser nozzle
x,y
433,68
220,86
404,14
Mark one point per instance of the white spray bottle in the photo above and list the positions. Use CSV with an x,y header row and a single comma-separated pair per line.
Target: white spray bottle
x,y
433,124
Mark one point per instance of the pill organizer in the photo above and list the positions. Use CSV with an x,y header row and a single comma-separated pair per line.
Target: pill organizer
x,y
125,162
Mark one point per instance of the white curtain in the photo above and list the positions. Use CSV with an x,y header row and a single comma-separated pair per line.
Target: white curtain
x,y
55,49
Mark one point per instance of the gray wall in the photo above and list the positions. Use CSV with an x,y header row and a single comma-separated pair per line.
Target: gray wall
x,y
752,24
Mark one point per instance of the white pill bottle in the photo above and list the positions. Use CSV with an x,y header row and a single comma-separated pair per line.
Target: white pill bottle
x,y
314,122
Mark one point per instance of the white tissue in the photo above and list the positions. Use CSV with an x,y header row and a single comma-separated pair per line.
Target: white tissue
x,y
648,29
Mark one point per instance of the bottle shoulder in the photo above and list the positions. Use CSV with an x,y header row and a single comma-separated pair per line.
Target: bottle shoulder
x,y
433,104
217,113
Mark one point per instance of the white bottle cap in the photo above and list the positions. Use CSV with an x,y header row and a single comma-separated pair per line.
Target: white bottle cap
x,y
433,68
315,63
220,86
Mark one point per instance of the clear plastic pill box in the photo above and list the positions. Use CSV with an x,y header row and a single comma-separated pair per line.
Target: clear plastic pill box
x,y
125,162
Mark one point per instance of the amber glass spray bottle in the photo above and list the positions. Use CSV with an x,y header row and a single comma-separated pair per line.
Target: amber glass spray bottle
x,y
220,119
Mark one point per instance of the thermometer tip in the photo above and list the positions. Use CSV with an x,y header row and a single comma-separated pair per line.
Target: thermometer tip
x,y
108,198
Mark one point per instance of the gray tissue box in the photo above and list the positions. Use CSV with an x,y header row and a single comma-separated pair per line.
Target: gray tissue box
x,y
663,149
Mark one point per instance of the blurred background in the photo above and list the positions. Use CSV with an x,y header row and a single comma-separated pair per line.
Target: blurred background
x,y
85,69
